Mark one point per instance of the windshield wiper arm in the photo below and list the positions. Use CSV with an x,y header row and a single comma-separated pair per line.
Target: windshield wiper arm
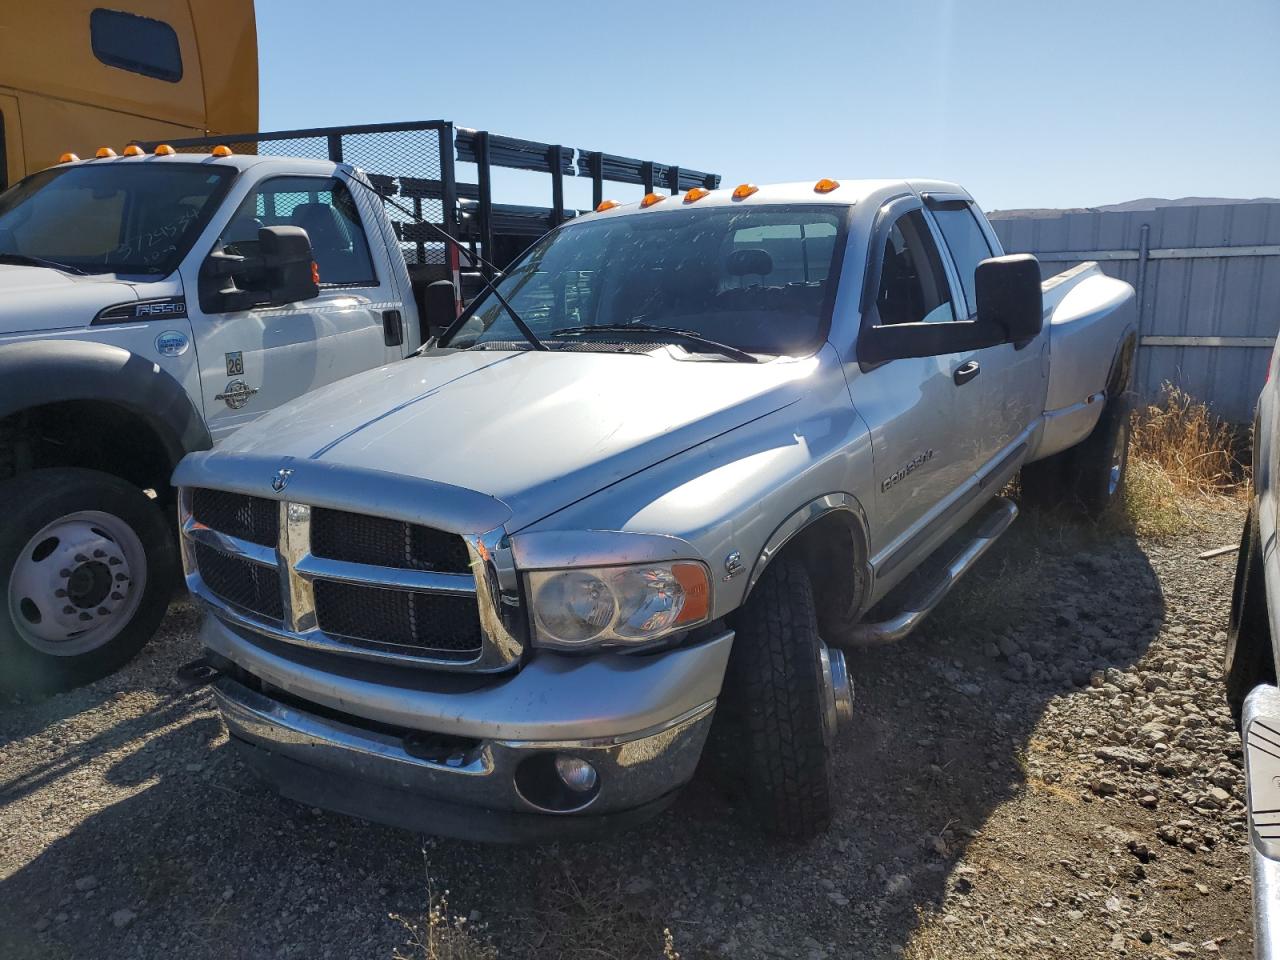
x,y
689,336
23,260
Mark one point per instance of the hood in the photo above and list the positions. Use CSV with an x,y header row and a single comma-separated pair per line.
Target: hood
x,y
536,430
40,298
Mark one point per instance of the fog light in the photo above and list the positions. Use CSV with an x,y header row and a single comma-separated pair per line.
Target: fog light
x,y
578,775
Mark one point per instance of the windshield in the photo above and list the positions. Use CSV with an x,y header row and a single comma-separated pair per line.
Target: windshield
x,y
115,218
756,279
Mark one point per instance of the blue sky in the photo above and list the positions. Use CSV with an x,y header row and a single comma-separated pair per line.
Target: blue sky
x,y
1025,102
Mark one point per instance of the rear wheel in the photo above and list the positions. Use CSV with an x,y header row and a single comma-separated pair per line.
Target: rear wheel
x,y
787,693
1088,477
88,563
1249,660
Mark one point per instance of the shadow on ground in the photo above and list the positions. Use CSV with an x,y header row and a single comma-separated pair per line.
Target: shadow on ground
x,y
214,865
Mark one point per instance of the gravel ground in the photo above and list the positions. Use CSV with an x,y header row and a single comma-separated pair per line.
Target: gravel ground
x,y
1046,769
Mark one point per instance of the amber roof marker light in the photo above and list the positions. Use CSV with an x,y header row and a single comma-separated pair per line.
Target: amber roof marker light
x,y
68,158
604,205
744,190
650,199
104,153
133,150
221,150
164,150
695,194
825,185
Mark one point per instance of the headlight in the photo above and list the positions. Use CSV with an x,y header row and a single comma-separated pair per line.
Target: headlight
x,y
617,606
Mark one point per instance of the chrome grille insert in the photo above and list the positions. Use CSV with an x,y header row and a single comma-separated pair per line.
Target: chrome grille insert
x,y
407,608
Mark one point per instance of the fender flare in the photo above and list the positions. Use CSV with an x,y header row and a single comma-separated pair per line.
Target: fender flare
x,y
42,372
1120,374
803,518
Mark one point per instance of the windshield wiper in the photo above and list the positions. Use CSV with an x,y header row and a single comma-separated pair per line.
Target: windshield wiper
x,y
689,336
23,260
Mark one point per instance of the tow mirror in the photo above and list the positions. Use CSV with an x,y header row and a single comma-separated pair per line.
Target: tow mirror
x,y
440,304
1010,297
276,269
1010,310
288,265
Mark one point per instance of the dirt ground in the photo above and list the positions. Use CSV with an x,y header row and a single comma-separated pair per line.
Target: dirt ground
x,y
1046,769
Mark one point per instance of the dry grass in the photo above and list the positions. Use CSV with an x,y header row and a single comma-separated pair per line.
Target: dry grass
x,y
441,935
1182,459
1196,450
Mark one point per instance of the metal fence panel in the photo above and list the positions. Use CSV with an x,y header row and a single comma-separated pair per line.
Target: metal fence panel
x,y
1208,284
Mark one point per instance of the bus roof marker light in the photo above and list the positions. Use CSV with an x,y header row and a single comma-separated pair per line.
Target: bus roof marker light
x,y
105,153
695,194
164,150
68,158
133,150
744,190
606,205
825,185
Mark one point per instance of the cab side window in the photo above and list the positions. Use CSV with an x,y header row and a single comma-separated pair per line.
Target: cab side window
x,y
913,286
967,242
137,44
324,208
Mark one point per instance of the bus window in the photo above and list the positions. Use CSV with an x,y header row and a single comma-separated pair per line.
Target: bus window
x,y
137,44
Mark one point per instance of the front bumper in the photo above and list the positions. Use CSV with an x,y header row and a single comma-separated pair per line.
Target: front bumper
x,y
473,762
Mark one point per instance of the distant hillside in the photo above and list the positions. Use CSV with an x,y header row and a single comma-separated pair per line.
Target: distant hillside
x,y
1146,203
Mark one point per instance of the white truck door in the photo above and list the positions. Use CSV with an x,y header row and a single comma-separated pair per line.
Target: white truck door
x,y
254,360
921,448
1007,394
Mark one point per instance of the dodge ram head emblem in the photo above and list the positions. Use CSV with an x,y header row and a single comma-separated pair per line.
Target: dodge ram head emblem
x,y
281,479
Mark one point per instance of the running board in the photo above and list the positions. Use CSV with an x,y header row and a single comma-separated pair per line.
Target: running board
x,y
1260,723
921,598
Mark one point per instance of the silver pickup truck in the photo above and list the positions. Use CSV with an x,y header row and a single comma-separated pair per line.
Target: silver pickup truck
x,y
684,453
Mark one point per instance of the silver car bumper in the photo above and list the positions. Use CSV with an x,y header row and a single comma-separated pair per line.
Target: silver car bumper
x,y
446,761
1260,725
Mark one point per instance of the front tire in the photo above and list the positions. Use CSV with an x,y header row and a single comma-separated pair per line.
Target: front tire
x,y
786,692
88,565
1249,659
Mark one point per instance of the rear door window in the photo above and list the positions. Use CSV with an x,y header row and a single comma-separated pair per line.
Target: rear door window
x,y
967,242
913,286
137,44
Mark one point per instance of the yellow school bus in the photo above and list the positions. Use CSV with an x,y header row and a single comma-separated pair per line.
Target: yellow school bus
x,y
79,74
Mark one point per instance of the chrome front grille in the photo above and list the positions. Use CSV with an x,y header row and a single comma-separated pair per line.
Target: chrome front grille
x,y
400,620
370,587
358,538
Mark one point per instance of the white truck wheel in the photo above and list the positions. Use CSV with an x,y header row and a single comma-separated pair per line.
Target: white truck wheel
x,y
87,562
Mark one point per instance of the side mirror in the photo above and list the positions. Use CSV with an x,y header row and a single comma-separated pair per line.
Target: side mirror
x,y
1010,297
288,265
1010,310
440,304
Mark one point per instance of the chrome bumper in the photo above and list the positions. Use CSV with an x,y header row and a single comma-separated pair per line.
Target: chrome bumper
x,y
1260,724
353,745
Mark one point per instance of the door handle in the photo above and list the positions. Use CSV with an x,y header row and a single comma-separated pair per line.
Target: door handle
x,y
966,372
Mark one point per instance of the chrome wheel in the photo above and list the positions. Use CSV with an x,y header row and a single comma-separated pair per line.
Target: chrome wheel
x,y
837,690
77,583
